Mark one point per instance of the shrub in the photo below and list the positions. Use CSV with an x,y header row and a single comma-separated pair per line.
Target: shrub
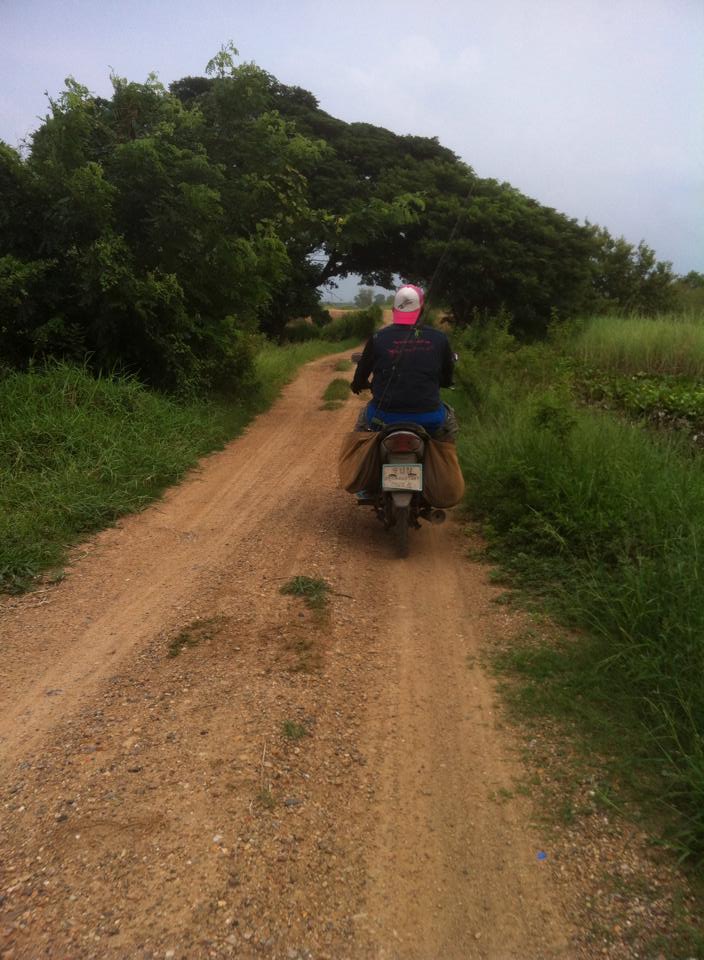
x,y
357,324
300,331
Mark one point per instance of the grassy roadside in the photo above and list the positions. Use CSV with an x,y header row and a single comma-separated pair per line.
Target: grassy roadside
x,y
599,522
593,521
76,453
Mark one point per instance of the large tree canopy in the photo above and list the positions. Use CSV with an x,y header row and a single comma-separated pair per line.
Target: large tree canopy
x,y
389,204
158,230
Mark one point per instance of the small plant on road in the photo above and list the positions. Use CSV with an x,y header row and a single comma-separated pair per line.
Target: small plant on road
x,y
337,389
312,589
293,730
336,393
193,634
266,799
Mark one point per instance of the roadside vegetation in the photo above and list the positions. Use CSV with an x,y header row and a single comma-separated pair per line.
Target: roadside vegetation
x,y
593,515
352,324
77,452
275,365
664,345
650,368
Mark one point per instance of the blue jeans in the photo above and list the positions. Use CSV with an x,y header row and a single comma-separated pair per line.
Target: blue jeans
x,y
441,424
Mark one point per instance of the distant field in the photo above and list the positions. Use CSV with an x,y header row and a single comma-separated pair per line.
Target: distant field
x,y
671,344
337,312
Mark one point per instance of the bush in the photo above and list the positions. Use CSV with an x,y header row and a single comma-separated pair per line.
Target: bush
x,y
354,325
300,331
357,324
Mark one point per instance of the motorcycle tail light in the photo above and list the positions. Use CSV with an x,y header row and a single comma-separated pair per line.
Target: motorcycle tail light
x,y
402,443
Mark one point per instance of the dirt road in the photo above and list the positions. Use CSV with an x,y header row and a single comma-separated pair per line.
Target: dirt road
x,y
194,765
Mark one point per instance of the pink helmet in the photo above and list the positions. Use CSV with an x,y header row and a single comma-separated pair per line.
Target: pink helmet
x,y
408,304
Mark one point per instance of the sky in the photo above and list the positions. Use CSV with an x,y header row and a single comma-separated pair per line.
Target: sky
x,y
594,107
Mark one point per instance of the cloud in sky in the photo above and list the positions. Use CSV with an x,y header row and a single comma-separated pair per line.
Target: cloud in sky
x,y
591,106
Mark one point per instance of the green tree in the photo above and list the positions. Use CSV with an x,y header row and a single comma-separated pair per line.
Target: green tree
x,y
381,205
693,279
223,63
689,292
629,278
364,297
162,229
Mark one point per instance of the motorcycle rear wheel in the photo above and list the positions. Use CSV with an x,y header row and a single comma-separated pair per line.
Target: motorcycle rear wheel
x,y
400,530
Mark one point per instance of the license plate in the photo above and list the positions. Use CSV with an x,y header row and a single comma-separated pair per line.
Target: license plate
x,y
402,476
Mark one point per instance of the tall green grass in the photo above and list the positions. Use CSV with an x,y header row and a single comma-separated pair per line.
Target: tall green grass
x,y
276,365
607,525
666,344
76,452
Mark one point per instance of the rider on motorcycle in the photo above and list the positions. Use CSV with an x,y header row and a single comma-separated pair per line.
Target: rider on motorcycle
x,y
408,363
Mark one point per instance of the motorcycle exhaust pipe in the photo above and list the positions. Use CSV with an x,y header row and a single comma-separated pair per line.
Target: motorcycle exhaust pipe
x,y
438,516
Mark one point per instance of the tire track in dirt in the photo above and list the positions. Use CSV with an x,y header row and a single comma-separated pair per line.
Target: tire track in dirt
x,y
457,873
156,807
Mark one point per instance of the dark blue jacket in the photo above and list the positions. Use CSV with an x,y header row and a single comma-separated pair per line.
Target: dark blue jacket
x,y
408,365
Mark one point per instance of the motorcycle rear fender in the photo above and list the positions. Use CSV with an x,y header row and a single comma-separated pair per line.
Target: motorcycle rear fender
x,y
401,499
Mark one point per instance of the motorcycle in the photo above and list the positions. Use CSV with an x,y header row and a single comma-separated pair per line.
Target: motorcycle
x,y
399,502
